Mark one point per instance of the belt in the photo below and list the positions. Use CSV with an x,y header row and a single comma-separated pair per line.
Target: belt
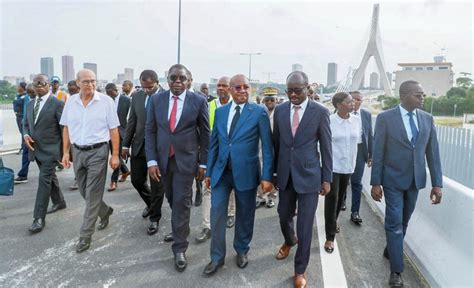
x,y
89,147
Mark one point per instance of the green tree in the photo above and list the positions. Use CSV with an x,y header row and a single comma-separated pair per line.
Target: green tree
x,y
7,91
456,92
465,81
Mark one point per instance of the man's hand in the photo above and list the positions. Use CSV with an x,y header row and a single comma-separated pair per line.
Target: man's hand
x,y
65,161
154,173
29,142
325,189
207,181
436,195
376,193
266,186
201,173
125,153
369,163
114,162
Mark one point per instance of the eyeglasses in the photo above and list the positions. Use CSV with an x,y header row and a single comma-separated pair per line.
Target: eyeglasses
x,y
181,78
241,87
40,83
297,91
88,82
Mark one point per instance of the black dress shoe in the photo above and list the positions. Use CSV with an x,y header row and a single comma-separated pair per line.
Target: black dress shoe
x,y
396,280
56,207
385,253
230,221
105,221
242,260
212,267
270,203
169,237
355,218
152,228
338,228
203,236
146,212
83,244
37,226
180,261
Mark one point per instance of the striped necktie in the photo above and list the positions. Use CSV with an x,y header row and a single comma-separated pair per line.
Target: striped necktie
x,y
36,109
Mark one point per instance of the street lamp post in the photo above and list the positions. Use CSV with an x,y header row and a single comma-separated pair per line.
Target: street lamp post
x,y
250,63
179,33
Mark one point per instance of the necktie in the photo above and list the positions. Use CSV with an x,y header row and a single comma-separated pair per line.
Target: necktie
x,y
234,120
147,102
36,108
414,131
172,121
296,120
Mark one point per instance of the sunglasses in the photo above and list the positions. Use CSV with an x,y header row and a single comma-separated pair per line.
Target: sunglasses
x,y
181,78
297,91
40,83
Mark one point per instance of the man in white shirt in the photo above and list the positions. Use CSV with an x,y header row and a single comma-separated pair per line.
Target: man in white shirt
x,y
90,121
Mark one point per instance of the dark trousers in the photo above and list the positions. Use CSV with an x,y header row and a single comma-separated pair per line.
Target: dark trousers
x,y
25,162
153,197
400,204
122,167
333,203
179,192
244,216
48,186
307,204
356,179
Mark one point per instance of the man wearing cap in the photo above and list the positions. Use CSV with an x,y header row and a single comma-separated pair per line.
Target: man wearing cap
x,y
55,91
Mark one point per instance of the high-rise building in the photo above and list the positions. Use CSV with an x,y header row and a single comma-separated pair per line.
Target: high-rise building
x,y
120,78
362,83
332,75
68,68
389,78
296,67
374,80
47,66
91,66
128,74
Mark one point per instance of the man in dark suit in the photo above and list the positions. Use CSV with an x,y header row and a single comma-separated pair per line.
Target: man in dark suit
x,y
404,137
364,155
42,134
135,137
234,164
122,103
299,126
176,144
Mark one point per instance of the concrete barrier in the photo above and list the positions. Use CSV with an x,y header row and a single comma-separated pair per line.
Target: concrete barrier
x,y
11,135
439,239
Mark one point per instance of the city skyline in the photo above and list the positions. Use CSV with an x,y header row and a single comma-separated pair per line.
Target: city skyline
x,y
332,36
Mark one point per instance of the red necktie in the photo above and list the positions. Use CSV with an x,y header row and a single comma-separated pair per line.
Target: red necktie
x,y
296,120
172,121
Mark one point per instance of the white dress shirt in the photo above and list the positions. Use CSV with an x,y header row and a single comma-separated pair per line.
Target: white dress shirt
x,y
359,118
179,111
345,133
406,121
43,100
303,106
91,124
232,113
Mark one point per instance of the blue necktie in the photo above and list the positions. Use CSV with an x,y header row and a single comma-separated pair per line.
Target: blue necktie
x,y
414,131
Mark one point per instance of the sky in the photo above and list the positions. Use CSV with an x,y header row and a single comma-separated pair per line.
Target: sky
x,y
143,35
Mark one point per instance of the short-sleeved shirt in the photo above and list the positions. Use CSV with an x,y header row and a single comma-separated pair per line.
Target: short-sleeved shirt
x,y
91,124
345,133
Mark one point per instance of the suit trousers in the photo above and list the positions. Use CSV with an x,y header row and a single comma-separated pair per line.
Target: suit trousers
x,y
356,179
122,167
48,185
206,206
153,197
333,203
244,218
307,204
179,192
400,204
91,171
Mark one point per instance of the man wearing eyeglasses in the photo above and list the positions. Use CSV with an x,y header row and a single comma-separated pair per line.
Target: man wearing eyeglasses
x,y
42,135
234,163
176,144
90,121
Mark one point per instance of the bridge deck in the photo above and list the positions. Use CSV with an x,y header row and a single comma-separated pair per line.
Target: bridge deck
x,y
123,255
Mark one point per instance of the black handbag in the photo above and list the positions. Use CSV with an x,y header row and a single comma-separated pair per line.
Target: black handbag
x,y
6,180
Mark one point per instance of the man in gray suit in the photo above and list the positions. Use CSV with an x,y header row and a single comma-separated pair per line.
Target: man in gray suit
x,y
42,134
404,137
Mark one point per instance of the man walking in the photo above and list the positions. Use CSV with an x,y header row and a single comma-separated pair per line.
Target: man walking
x,y
404,137
90,121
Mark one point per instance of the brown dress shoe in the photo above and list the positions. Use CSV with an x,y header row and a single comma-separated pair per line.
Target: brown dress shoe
x,y
113,187
124,176
300,280
283,252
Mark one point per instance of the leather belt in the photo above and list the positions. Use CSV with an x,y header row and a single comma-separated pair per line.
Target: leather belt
x,y
89,147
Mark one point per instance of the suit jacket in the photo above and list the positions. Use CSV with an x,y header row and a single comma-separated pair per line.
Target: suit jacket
x,y
135,132
46,132
242,147
191,136
367,136
298,156
396,163
122,111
